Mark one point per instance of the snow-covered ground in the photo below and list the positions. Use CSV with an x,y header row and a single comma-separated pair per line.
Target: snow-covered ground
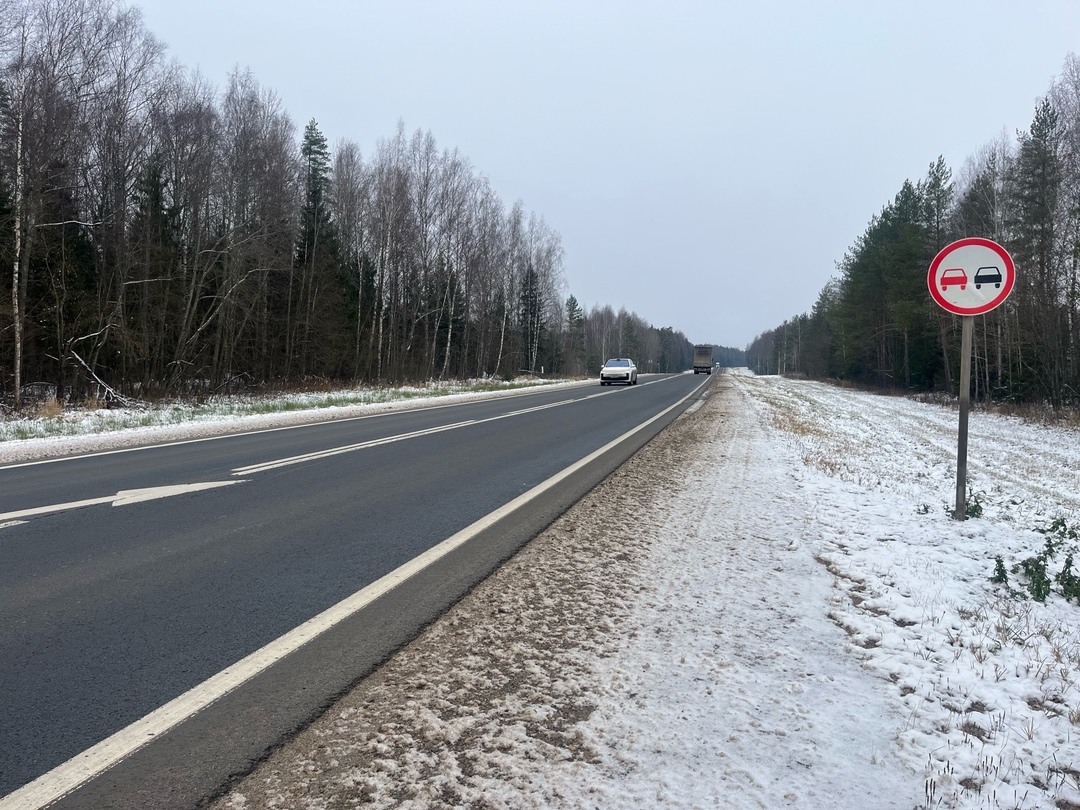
x,y
791,619
86,429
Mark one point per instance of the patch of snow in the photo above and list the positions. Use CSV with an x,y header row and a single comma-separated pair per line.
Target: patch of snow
x,y
791,619
86,430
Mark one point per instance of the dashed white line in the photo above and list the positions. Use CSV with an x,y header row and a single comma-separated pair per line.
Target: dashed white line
x,y
251,469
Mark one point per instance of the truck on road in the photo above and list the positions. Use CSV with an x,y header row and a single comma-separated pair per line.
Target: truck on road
x,y
703,359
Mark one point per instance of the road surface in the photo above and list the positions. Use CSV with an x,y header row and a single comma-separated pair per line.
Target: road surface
x,y
131,580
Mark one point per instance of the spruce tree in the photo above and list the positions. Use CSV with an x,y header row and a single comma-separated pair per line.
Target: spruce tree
x,y
1036,181
575,330
315,214
317,296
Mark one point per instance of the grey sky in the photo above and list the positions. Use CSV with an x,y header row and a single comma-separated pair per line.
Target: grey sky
x,y
706,163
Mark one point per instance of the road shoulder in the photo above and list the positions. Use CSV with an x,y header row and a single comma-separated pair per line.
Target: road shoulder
x,y
664,642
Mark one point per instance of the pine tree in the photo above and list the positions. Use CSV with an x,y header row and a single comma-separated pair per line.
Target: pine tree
x,y
1035,185
630,341
315,214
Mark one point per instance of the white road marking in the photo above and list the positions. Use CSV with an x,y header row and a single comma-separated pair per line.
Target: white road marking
x,y
256,431
83,767
121,498
348,448
139,495
251,469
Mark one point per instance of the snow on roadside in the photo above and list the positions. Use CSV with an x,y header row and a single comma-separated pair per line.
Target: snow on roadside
x,y
733,688
792,620
85,430
988,680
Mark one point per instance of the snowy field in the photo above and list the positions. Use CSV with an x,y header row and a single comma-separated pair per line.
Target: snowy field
x,y
792,620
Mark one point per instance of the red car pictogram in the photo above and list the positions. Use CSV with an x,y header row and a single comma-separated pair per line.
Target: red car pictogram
x,y
952,277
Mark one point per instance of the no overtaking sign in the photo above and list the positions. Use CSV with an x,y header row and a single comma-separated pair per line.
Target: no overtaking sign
x,y
971,276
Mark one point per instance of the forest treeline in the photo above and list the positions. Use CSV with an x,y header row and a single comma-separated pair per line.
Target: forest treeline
x,y
167,237
874,323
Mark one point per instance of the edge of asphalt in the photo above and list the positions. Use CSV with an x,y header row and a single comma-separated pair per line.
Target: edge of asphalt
x,y
198,759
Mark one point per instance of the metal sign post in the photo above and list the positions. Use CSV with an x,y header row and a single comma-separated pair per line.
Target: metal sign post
x,y
965,408
969,277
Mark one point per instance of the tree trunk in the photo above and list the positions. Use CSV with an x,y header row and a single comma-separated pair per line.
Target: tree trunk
x,y
943,326
449,333
22,223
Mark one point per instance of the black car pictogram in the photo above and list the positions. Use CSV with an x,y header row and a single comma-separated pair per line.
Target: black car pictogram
x,y
987,275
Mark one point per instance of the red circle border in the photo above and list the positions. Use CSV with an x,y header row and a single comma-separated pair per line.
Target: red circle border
x,y
1010,276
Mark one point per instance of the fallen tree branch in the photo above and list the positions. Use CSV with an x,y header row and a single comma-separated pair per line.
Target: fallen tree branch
x,y
112,396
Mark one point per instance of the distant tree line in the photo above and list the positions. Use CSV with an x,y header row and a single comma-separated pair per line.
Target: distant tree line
x,y
875,323
729,357
164,237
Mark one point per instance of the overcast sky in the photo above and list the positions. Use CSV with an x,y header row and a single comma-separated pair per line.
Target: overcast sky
x,y
706,163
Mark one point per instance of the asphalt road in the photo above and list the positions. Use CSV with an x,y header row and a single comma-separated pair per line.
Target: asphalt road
x,y
110,610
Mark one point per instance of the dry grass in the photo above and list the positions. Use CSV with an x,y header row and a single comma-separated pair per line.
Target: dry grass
x,y
49,409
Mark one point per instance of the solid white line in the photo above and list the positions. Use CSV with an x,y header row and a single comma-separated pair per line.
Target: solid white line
x,y
83,767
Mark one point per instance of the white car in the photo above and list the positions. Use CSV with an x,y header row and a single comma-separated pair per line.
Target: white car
x,y
619,369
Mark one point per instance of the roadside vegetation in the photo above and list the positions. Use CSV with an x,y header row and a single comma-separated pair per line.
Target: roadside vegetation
x,y
49,420
975,622
874,323
164,237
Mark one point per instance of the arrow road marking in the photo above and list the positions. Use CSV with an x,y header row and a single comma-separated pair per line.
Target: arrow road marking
x,y
122,498
130,496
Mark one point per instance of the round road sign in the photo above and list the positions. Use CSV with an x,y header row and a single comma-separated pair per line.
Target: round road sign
x,y
971,276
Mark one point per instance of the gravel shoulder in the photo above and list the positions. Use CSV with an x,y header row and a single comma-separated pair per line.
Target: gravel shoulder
x,y
682,659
